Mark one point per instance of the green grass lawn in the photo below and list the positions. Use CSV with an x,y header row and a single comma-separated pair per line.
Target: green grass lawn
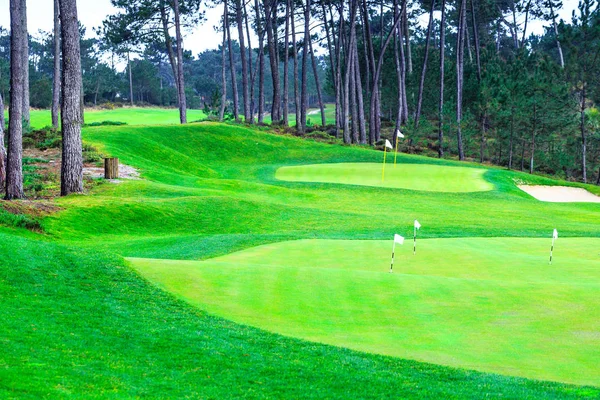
x,y
131,116
82,323
492,304
434,178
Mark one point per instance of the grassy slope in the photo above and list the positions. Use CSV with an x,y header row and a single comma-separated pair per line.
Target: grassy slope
x,y
131,116
212,191
78,324
451,304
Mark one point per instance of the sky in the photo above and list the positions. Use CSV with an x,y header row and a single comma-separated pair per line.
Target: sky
x,y
93,12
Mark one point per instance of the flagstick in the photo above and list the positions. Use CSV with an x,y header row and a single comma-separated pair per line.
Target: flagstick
x,y
415,241
383,170
393,251
551,250
396,153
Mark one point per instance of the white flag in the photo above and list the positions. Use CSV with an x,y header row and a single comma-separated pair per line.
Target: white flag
x,y
417,224
555,234
388,144
399,134
399,239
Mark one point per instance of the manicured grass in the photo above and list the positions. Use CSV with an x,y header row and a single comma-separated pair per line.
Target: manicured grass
x,y
131,116
491,304
434,178
209,190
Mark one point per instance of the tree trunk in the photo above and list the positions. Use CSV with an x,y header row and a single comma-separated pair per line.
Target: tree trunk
x,y
286,62
169,45
250,72
441,102
25,55
181,88
404,103
352,88
130,80
332,61
558,46
14,169
460,46
424,69
245,90
223,68
373,117
476,38
296,79
305,55
2,147
270,10
348,63
232,67
317,84
56,75
339,113
512,130
398,38
72,159
261,65
362,126
483,137
583,136
533,131
407,39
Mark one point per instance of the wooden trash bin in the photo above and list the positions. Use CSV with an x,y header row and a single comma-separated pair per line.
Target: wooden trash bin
x,y
111,168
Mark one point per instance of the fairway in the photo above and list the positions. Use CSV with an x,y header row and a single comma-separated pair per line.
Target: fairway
x,y
491,304
427,177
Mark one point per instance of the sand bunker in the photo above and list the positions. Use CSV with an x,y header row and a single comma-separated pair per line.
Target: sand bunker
x,y
560,194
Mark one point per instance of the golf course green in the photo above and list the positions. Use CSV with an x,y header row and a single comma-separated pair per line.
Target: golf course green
x,y
490,304
228,271
433,178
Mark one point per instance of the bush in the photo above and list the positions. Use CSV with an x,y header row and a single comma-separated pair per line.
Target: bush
x,y
106,123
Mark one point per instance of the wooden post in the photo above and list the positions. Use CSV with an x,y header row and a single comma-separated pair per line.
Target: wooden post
x,y
111,168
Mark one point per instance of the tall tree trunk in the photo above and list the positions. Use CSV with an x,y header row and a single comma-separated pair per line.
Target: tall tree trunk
x,y
169,45
583,136
286,45
442,62
558,46
332,60
2,147
181,88
72,159
232,68
130,80
317,84
250,72
270,10
373,116
424,69
56,75
245,89
305,55
348,72
223,68
352,88
512,132
398,65
407,39
26,96
296,79
339,112
261,64
476,38
460,46
483,137
533,132
14,168
362,125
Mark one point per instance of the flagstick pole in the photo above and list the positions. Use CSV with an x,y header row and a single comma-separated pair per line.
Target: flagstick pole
x,y
383,169
396,153
551,250
393,252
414,240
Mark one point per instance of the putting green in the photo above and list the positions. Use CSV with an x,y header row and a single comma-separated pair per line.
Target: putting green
x,y
491,304
434,178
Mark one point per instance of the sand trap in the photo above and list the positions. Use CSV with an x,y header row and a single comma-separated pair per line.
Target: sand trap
x,y
560,194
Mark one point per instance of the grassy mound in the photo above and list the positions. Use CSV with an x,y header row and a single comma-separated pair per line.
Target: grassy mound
x,y
489,304
434,178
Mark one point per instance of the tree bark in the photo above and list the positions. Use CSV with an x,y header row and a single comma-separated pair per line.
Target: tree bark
x,y
317,84
400,99
424,69
558,46
14,169
296,86
512,132
223,68
250,72
169,45
245,90
56,75
270,10
2,147
286,62
583,136
533,132
349,56
181,87
460,46
261,65
362,125
26,96
72,159
232,66
130,80
305,55
407,39
476,38
441,102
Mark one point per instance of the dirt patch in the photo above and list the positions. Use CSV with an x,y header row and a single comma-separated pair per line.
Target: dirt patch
x,y
33,208
560,194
